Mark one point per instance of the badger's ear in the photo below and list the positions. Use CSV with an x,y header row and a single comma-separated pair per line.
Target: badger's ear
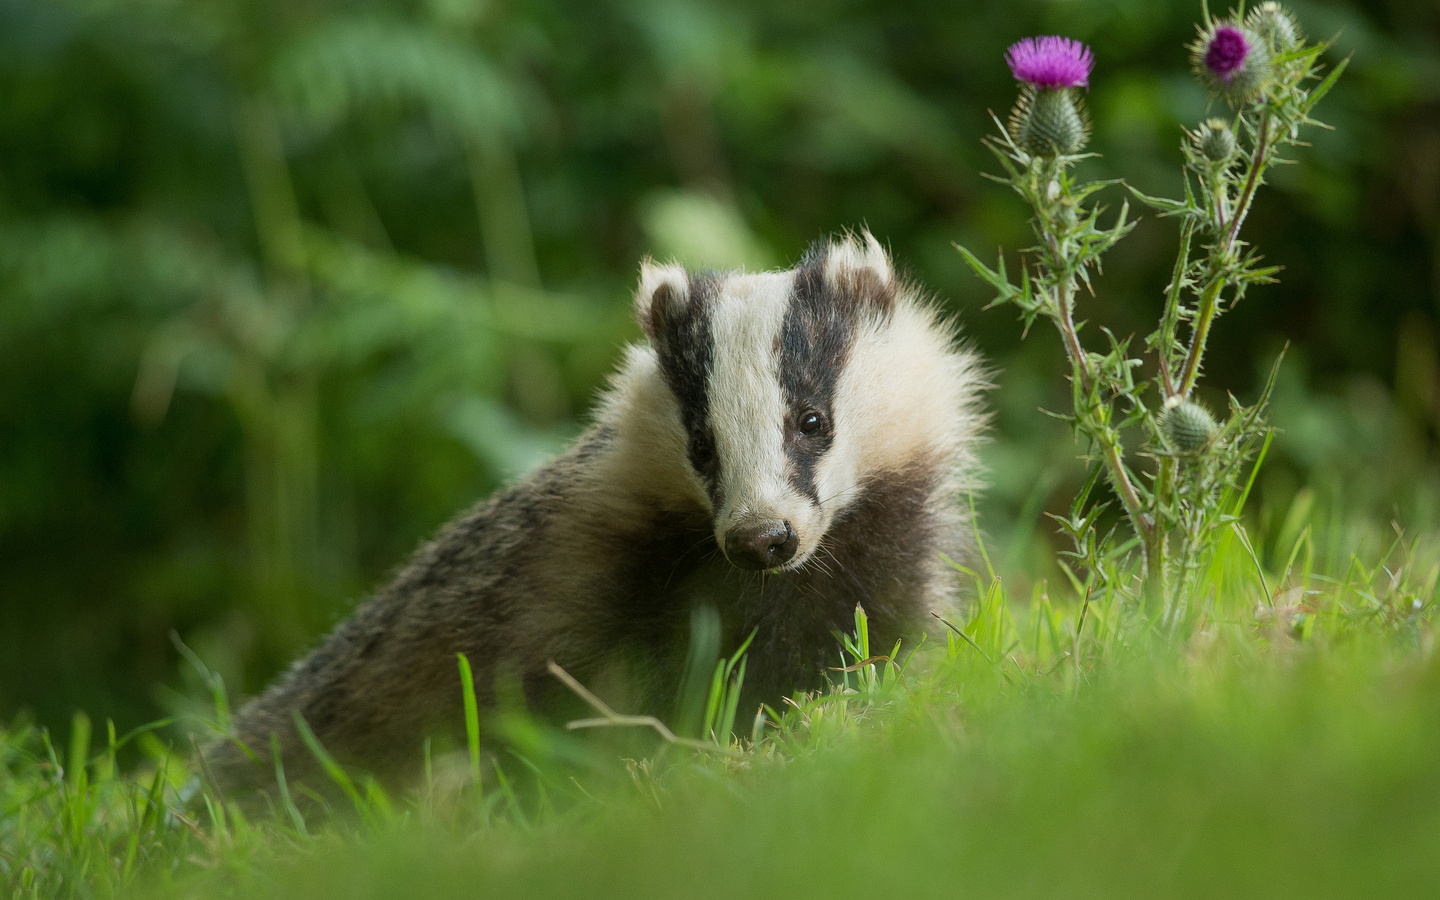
x,y
857,265
661,297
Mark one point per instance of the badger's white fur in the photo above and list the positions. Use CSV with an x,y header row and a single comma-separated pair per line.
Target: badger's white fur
x,y
819,423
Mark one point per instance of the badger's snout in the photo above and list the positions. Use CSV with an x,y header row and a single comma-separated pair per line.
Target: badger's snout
x,y
761,543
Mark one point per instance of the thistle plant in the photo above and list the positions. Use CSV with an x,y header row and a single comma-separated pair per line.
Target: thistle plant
x,y
1177,472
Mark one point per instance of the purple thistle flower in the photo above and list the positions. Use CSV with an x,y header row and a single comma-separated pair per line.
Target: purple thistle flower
x,y
1227,51
1232,61
1051,62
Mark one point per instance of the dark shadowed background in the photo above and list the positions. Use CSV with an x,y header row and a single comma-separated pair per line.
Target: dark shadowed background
x,y
284,285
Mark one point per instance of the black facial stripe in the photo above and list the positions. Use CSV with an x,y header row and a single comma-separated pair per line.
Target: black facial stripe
x,y
814,348
686,348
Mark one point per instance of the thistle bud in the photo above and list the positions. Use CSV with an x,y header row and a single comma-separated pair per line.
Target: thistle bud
x,y
1050,119
1271,21
1050,123
1188,426
1232,61
1215,141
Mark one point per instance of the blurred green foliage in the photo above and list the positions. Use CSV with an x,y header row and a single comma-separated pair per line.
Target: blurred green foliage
x,y
285,285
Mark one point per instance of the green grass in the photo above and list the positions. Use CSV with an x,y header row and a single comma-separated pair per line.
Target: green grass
x,y
1280,736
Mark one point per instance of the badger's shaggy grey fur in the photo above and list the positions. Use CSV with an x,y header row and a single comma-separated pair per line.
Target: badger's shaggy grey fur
x,y
817,422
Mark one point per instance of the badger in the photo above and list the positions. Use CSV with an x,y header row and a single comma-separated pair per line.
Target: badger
x,y
782,447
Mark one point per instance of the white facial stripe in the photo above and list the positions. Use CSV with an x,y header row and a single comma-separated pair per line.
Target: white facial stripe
x,y
899,400
747,406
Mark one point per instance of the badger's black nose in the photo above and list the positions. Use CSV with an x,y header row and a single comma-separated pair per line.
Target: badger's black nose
x,y
761,545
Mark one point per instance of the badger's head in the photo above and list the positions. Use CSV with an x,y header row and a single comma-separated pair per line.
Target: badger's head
x,y
790,389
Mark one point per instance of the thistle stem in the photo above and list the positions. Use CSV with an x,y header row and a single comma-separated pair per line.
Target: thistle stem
x,y
1064,300
1102,433
1128,495
1222,202
1220,259
1203,317
1156,548
1062,268
1252,183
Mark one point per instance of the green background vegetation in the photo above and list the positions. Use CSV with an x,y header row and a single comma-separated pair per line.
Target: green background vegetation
x,y
285,285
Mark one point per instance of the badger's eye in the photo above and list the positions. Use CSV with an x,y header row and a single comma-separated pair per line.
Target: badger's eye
x,y
702,452
811,422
